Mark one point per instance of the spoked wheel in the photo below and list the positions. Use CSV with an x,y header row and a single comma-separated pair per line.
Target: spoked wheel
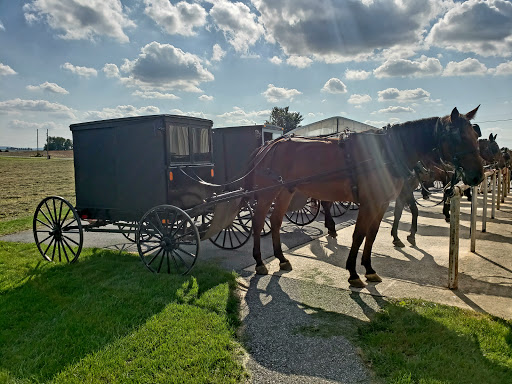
x,y
238,233
129,229
306,214
339,208
57,230
167,240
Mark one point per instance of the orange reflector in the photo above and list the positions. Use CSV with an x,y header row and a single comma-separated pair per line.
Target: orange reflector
x,y
212,172
171,176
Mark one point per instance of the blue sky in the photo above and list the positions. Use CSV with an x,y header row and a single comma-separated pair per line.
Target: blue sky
x,y
375,61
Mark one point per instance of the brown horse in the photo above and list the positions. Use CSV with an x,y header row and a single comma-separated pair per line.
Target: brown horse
x,y
490,152
368,168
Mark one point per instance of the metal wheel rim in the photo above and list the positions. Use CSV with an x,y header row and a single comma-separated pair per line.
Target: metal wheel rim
x,y
305,215
167,240
339,208
57,229
238,233
131,236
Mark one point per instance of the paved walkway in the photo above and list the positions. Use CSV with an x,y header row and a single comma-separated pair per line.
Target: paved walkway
x,y
285,313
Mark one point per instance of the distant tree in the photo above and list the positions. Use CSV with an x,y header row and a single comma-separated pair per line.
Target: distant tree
x,y
284,119
58,144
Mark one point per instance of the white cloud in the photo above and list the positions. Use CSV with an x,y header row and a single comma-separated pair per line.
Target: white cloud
x,y
80,71
403,96
239,25
238,116
205,98
179,19
50,87
6,70
299,61
503,69
111,70
2,28
424,66
336,31
351,74
81,19
465,67
479,26
276,60
25,125
359,99
164,67
274,94
201,115
218,53
121,111
19,106
334,85
155,95
396,110
382,123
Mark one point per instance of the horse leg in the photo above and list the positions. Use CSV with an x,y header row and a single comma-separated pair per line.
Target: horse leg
x,y
258,221
329,221
467,193
371,234
399,207
276,220
360,230
414,224
446,210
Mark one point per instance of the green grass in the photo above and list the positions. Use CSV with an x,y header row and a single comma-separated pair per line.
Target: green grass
x,y
15,225
413,341
106,319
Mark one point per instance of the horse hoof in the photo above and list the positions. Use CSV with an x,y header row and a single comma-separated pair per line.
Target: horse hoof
x,y
411,240
261,270
333,234
373,277
447,219
356,283
398,243
285,266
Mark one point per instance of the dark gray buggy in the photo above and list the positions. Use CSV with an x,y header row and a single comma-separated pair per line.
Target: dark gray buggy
x,y
148,179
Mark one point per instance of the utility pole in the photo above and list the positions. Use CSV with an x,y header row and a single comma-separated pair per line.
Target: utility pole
x,y
37,147
47,145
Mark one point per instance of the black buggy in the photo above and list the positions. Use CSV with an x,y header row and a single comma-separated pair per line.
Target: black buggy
x,y
148,178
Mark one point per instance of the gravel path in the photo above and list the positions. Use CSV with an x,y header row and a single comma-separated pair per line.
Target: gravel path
x,y
295,331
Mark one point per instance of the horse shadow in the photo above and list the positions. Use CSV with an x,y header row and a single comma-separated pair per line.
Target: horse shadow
x,y
302,332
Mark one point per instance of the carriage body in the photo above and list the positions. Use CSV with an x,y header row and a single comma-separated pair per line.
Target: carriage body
x,y
233,146
123,167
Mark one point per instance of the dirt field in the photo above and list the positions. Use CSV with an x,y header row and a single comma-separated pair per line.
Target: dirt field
x,y
53,154
25,181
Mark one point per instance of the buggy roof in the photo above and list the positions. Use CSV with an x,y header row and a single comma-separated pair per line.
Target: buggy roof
x,y
125,120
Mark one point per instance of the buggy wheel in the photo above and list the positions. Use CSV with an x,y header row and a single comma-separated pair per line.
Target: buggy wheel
x,y
167,239
237,233
129,229
57,230
306,214
339,208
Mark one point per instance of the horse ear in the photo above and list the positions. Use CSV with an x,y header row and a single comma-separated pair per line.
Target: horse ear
x,y
471,114
495,137
490,137
455,115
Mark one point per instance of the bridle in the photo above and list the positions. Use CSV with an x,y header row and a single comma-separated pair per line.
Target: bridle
x,y
452,134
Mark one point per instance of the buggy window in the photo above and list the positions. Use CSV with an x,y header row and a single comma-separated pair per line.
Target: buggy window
x,y
201,145
179,144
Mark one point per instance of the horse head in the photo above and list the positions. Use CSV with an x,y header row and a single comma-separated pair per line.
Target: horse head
x,y
457,142
506,155
490,151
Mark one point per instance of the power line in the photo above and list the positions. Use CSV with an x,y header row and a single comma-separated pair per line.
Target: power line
x,y
493,121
